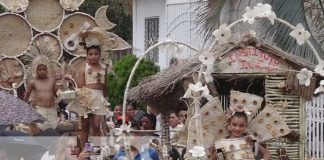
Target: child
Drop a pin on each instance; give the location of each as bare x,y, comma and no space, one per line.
44,89
237,125
93,77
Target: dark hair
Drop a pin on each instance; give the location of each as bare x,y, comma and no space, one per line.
135,126
131,104
239,115
175,113
93,47
151,117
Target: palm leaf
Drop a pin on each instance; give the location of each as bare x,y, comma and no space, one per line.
209,17
315,11
292,11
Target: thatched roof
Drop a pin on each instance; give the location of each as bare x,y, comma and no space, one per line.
163,82
155,87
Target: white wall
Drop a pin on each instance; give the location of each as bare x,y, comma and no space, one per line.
177,22
141,10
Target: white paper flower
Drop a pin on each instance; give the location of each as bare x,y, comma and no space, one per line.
259,11
121,131
264,11
91,41
197,90
223,34
300,34
249,15
304,77
207,59
320,88
197,151
320,68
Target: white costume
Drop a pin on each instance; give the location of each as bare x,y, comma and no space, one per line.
236,148
90,100
50,115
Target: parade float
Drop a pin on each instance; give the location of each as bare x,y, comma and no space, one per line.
271,84
30,30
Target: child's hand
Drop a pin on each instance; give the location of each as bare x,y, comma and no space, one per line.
83,155
110,125
212,153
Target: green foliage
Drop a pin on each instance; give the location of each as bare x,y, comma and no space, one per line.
119,13
2,9
122,69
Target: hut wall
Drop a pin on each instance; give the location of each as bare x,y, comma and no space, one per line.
288,105
315,127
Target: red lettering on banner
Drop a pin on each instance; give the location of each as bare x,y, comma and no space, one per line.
250,58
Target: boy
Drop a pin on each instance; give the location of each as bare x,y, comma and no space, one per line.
44,89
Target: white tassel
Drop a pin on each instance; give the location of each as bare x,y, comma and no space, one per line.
14,86
256,148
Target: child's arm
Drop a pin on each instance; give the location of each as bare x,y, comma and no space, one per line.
56,87
266,155
30,88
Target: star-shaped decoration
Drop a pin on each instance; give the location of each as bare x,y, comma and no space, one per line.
283,104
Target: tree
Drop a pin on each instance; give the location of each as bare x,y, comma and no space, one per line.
310,13
2,9
119,12
122,69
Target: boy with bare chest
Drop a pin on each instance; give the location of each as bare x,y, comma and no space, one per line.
44,89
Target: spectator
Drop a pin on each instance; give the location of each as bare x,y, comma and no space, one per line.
133,114
173,122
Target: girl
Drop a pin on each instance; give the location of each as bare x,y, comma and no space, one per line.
236,126
69,148
93,77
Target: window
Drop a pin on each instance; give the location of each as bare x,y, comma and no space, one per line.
152,37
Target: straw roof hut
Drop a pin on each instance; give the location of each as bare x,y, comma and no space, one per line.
247,65
165,89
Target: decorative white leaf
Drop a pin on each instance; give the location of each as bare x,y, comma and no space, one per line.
320,68
320,89
300,34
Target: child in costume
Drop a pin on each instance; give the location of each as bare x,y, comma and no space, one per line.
238,145
43,86
91,104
